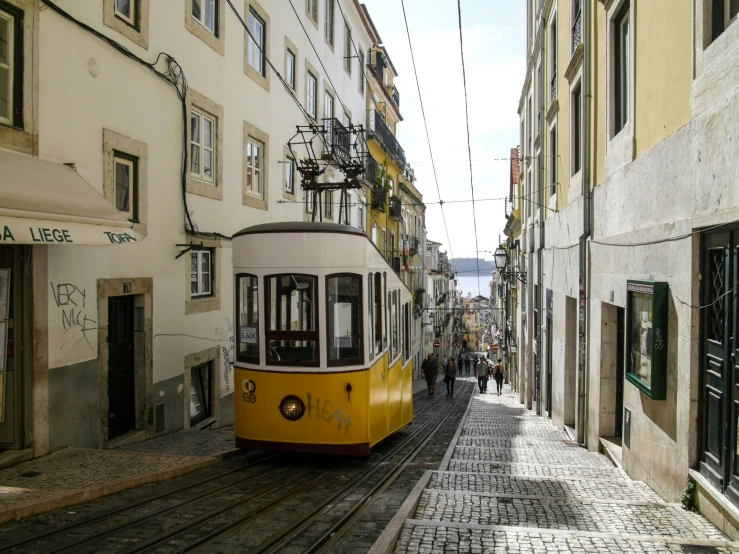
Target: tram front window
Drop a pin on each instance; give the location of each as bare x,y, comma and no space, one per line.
344,315
292,327
247,304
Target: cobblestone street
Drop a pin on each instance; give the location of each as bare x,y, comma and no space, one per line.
512,482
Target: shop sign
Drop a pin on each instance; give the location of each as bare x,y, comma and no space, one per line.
30,231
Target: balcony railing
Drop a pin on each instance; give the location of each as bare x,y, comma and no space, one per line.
396,264
372,170
395,208
379,198
338,138
381,132
577,30
396,97
553,89
413,244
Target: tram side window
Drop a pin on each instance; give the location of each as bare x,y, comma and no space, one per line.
247,306
407,331
344,319
393,300
292,319
384,311
379,316
370,318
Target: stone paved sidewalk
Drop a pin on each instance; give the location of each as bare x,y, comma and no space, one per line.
512,482
76,475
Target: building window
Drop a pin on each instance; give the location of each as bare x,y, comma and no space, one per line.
126,10
9,93
330,204
374,234
576,129
201,273
344,319
311,8
254,167
292,319
723,13
328,107
360,214
361,71
310,94
125,185
202,141
309,201
205,12
379,311
553,160
394,312
247,306
290,69
347,49
201,383
329,28
553,84
407,331
256,42
621,69
290,175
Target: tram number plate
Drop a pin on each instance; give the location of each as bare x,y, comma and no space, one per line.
248,335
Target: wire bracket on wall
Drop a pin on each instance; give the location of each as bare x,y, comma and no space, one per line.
187,248
329,145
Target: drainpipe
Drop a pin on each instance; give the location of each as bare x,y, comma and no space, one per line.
587,229
540,195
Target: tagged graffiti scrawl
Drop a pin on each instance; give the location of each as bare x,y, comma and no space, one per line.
325,411
71,300
227,334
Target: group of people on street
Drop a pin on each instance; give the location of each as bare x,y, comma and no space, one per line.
481,367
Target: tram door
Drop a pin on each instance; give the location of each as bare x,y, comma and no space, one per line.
121,391
719,369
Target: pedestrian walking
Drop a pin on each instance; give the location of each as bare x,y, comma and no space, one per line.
443,362
450,375
487,376
499,375
430,372
467,365
481,375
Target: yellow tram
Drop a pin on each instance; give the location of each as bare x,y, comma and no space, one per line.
323,340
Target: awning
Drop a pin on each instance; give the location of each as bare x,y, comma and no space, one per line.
44,202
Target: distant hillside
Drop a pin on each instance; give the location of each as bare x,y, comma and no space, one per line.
468,266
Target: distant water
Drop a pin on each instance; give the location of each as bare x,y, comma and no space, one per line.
468,283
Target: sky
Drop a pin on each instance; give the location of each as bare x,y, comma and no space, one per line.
494,37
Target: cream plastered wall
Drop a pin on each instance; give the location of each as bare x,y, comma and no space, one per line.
664,69
88,86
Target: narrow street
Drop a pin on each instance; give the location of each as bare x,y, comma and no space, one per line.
512,482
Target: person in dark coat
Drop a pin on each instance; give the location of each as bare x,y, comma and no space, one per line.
430,372
467,365
499,375
450,375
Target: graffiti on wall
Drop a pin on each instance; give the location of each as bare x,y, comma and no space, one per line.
325,411
71,301
227,335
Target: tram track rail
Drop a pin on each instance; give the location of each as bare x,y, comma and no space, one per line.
278,540
95,518
56,540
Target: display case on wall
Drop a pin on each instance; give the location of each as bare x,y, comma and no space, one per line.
646,336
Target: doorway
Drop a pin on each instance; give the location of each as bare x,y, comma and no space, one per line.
620,354
719,365
549,366
121,370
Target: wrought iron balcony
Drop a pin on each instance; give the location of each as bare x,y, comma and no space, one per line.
553,89
396,97
396,264
379,198
372,170
409,173
413,244
338,138
395,208
378,65
577,30
379,130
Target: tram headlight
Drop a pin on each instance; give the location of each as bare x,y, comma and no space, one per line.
292,408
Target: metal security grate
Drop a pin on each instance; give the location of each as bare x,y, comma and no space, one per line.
577,30
716,289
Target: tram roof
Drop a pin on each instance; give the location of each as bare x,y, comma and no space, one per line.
299,227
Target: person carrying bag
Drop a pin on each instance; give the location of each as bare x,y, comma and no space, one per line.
499,375
430,373
450,376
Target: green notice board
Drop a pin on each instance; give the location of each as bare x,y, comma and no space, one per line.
646,336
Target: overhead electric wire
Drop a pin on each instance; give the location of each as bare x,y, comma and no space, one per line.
467,122
428,138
